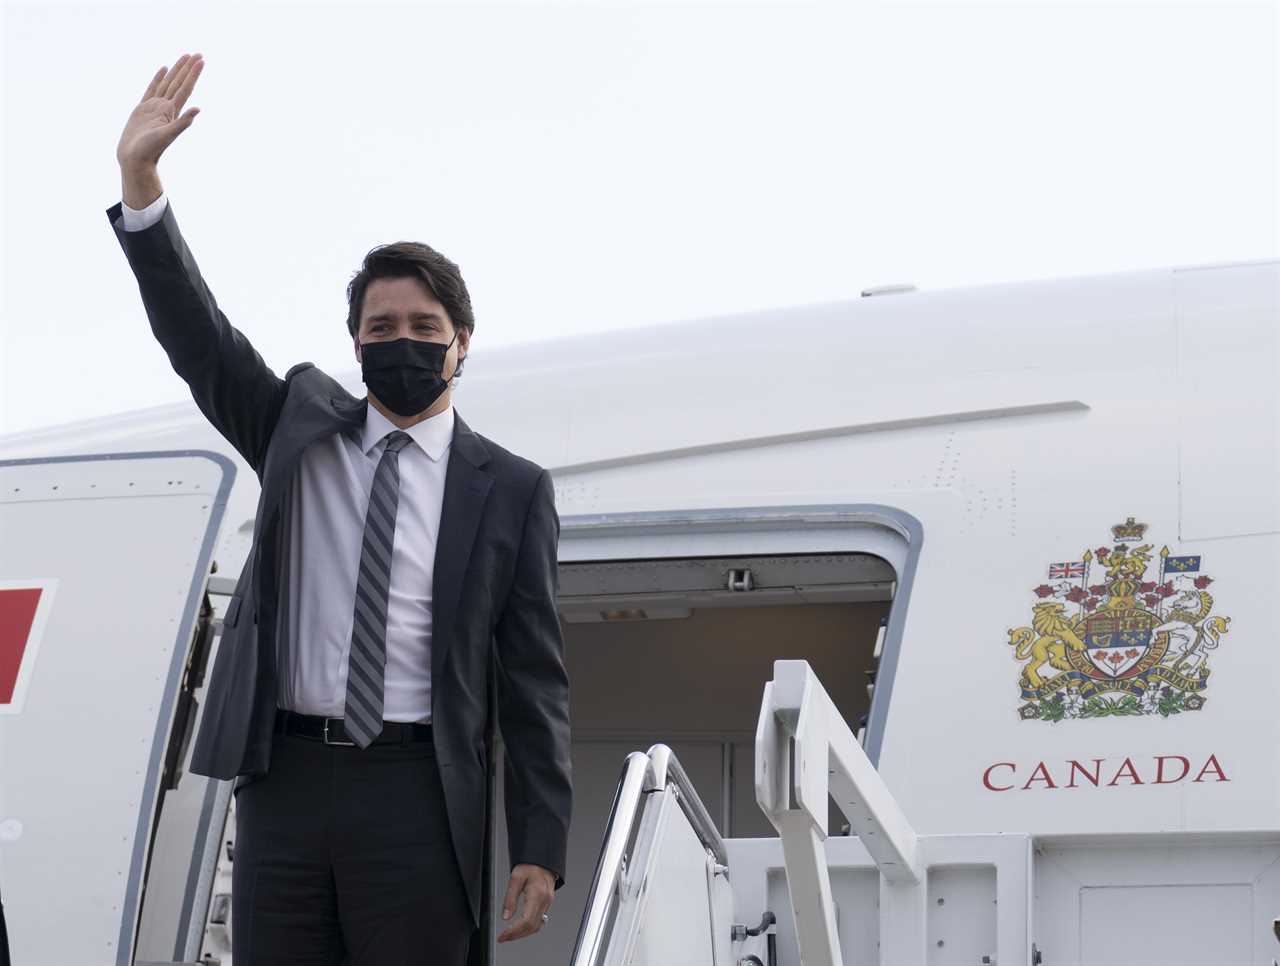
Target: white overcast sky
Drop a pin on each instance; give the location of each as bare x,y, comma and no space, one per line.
597,166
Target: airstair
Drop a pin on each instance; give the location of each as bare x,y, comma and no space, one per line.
668,890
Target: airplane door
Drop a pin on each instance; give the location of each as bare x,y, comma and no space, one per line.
103,565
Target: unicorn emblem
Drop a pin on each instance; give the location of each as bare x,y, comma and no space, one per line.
1192,632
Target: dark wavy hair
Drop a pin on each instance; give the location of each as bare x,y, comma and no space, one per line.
405,259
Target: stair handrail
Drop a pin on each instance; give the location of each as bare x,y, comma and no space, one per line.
601,895
642,773
667,767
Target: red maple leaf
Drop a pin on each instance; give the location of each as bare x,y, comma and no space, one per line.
1166,590
1075,595
1152,600
1147,586
1203,581
1098,589
1132,652
1091,603
1044,590
1102,553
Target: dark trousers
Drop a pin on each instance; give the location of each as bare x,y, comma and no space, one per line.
343,856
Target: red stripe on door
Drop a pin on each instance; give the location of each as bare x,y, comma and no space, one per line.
17,614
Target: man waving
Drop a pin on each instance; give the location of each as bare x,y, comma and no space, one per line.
401,582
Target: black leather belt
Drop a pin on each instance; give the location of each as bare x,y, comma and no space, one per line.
332,732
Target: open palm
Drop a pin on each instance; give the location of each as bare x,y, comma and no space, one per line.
157,119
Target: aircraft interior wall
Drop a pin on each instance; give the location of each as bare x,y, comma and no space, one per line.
698,680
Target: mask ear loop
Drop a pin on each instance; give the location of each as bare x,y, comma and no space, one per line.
446,352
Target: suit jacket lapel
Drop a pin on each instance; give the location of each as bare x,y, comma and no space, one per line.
316,416
466,487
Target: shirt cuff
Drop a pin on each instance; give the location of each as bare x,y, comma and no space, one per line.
136,219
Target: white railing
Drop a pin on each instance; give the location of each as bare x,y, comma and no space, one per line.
653,789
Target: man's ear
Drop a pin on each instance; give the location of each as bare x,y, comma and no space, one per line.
464,342
357,350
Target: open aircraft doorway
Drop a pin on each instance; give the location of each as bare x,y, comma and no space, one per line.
676,648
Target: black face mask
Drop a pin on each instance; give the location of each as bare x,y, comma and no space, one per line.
407,375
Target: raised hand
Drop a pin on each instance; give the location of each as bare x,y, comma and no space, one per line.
157,120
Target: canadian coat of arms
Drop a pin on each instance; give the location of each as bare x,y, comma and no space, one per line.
1132,646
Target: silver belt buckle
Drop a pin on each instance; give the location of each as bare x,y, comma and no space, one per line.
335,741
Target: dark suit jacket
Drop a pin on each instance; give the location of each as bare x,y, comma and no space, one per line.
493,594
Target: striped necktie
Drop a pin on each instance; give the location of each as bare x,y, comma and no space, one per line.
368,660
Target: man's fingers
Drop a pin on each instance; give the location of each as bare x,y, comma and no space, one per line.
175,90
536,902
528,922
155,83
188,83
540,906
514,886
170,76
175,76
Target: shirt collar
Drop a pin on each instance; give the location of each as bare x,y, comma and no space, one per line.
433,434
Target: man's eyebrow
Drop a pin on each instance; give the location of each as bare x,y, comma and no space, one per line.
387,316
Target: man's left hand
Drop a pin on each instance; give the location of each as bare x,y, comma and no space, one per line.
538,887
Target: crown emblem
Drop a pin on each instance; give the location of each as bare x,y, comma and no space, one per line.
1129,530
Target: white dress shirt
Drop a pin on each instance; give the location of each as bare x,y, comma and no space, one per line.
322,514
